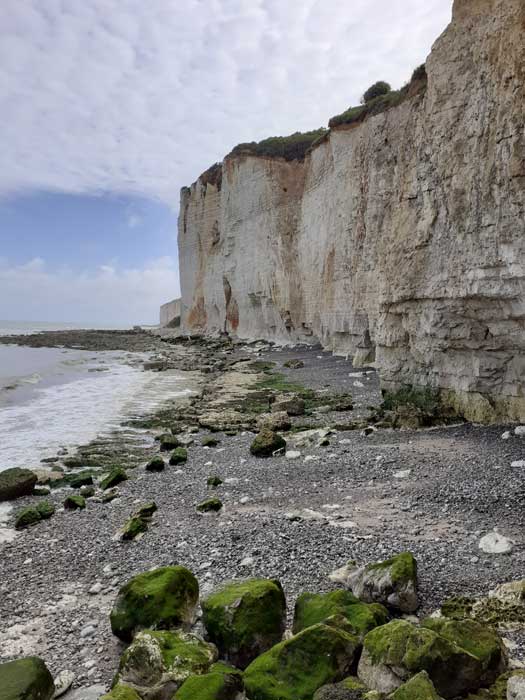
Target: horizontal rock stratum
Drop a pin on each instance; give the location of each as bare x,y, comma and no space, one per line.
399,239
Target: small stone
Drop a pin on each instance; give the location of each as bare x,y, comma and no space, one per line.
520,464
520,431
210,505
179,456
95,588
214,481
157,464
74,503
63,682
403,474
247,561
292,454
494,543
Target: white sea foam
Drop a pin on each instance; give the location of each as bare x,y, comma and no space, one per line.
74,413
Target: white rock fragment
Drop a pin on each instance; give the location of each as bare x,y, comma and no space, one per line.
358,384
244,500
63,682
247,561
520,464
520,431
494,543
516,688
293,454
403,474
506,435
344,524
95,588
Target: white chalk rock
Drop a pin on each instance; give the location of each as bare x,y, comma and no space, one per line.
63,682
494,543
516,688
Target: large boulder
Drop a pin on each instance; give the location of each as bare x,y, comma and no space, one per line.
15,483
26,679
266,443
296,668
245,619
358,617
419,687
157,663
159,599
392,582
274,421
221,683
395,652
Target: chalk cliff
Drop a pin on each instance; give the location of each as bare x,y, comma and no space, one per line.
399,240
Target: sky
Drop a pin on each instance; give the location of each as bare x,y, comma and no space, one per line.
110,107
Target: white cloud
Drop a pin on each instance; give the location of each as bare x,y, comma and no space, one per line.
140,97
106,295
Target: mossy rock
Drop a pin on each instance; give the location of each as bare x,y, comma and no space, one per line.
245,618
169,442
41,491
115,477
296,668
210,505
349,689
133,528
294,364
73,462
394,652
26,679
214,481
420,687
210,441
221,683
87,491
121,692
27,517
74,503
146,511
157,662
45,509
266,443
392,583
479,640
179,456
84,479
160,599
15,483
500,689
110,495
360,618
157,464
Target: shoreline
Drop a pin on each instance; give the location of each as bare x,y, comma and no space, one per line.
345,499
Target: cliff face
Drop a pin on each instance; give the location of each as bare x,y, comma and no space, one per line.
401,239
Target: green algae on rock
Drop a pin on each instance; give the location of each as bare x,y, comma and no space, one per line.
210,505
146,511
312,608
82,479
45,509
266,443
27,517
220,683
74,503
26,679
158,662
214,481
245,618
159,599
157,464
121,692
419,687
394,652
209,441
15,483
116,476
296,668
133,528
179,456
169,442
349,689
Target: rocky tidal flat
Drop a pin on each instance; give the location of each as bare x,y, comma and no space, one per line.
286,468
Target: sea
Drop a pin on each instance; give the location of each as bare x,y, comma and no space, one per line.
52,398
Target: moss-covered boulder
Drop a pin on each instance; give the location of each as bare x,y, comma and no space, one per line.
349,689
87,491
266,443
121,692
45,509
133,528
27,517
420,687
15,483
157,662
392,582
146,511
296,668
74,503
209,441
115,477
221,683
359,618
245,618
169,442
395,652
210,505
157,464
82,479
179,456
159,599
26,679
214,481
479,640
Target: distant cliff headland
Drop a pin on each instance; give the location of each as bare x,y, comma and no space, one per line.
397,235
